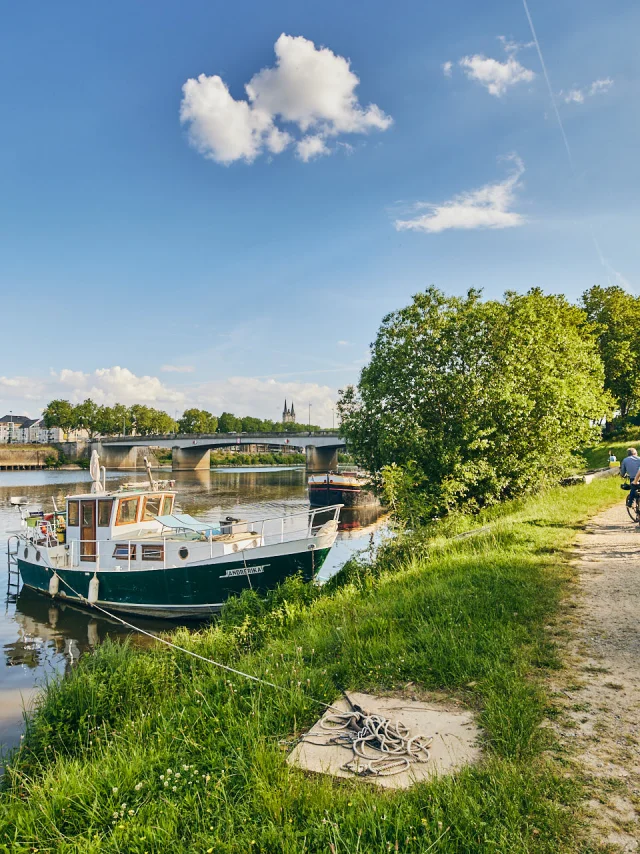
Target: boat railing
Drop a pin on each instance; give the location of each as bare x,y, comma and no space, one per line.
295,526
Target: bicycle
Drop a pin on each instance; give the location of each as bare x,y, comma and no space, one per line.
634,509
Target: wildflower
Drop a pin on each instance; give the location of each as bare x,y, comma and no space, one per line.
162,776
207,778
130,812
123,807
138,786
185,767
166,783
174,788
177,775
115,790
115,815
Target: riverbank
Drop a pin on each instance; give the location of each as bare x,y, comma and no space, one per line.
466,620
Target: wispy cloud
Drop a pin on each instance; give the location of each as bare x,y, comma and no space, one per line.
578,96
496,76
177,369
490,206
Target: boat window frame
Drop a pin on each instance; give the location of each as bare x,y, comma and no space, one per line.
128,548
171,498
121,502
146,498
158,548
101,503
73,506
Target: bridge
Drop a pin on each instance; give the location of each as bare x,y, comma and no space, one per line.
192,452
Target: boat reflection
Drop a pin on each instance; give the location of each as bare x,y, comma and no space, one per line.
356,521
47,630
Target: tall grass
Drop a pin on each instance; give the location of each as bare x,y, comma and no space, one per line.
153,751
598,455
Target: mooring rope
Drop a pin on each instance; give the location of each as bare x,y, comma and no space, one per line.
359,729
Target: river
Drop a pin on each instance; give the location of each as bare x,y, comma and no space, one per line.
40,638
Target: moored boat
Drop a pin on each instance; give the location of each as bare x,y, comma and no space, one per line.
129,551
350,488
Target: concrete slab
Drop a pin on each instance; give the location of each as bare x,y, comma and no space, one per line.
455,741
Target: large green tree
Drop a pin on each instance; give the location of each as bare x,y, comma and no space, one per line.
474,400
229,423
615,315
59,413
197,421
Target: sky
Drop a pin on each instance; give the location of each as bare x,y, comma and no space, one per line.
214,205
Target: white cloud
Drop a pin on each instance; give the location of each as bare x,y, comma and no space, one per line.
344,343
310,147
310,88
487,207
494,75
114,385
261,397
178,369
447,68
578,96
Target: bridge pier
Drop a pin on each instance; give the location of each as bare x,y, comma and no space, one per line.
128,457
190,459
321,460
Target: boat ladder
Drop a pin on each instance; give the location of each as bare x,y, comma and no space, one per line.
13,573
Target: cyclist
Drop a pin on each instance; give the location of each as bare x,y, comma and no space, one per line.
630,467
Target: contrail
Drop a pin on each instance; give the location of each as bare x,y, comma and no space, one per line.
603,261
549,86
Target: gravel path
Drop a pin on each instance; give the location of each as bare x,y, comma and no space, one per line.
599,693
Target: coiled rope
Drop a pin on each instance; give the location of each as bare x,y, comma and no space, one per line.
380,747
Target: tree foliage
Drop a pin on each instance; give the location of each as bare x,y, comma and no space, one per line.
475,401
197,421
615,315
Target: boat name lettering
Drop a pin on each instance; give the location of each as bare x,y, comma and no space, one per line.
249,570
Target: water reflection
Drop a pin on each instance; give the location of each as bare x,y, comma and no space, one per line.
39,637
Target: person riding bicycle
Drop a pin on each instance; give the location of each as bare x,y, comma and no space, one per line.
630,467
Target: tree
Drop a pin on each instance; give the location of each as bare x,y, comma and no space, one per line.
88,416
59,413
616,318
252,425
229,423
197,421
475,401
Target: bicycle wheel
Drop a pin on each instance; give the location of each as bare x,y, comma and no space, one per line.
634,511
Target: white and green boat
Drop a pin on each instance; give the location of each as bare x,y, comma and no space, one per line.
128,551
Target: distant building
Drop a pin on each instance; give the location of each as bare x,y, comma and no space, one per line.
20,430
288,415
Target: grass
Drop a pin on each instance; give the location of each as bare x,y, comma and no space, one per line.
598,455
152,751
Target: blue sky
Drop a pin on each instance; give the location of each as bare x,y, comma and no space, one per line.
132,240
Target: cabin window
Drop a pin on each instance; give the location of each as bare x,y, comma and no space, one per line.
167,505
104,513
183,551
127,511
151,507
73,514
125,550
150,552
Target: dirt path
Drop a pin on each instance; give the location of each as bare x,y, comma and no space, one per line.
599,693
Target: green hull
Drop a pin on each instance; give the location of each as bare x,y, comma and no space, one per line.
187,591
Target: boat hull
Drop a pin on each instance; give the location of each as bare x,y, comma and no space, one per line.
195,590
325,495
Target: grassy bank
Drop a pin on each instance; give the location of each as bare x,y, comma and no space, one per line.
598,455
153,751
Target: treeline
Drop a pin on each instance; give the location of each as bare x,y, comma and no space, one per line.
467,402
145,421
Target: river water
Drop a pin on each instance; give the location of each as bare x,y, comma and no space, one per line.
40,638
